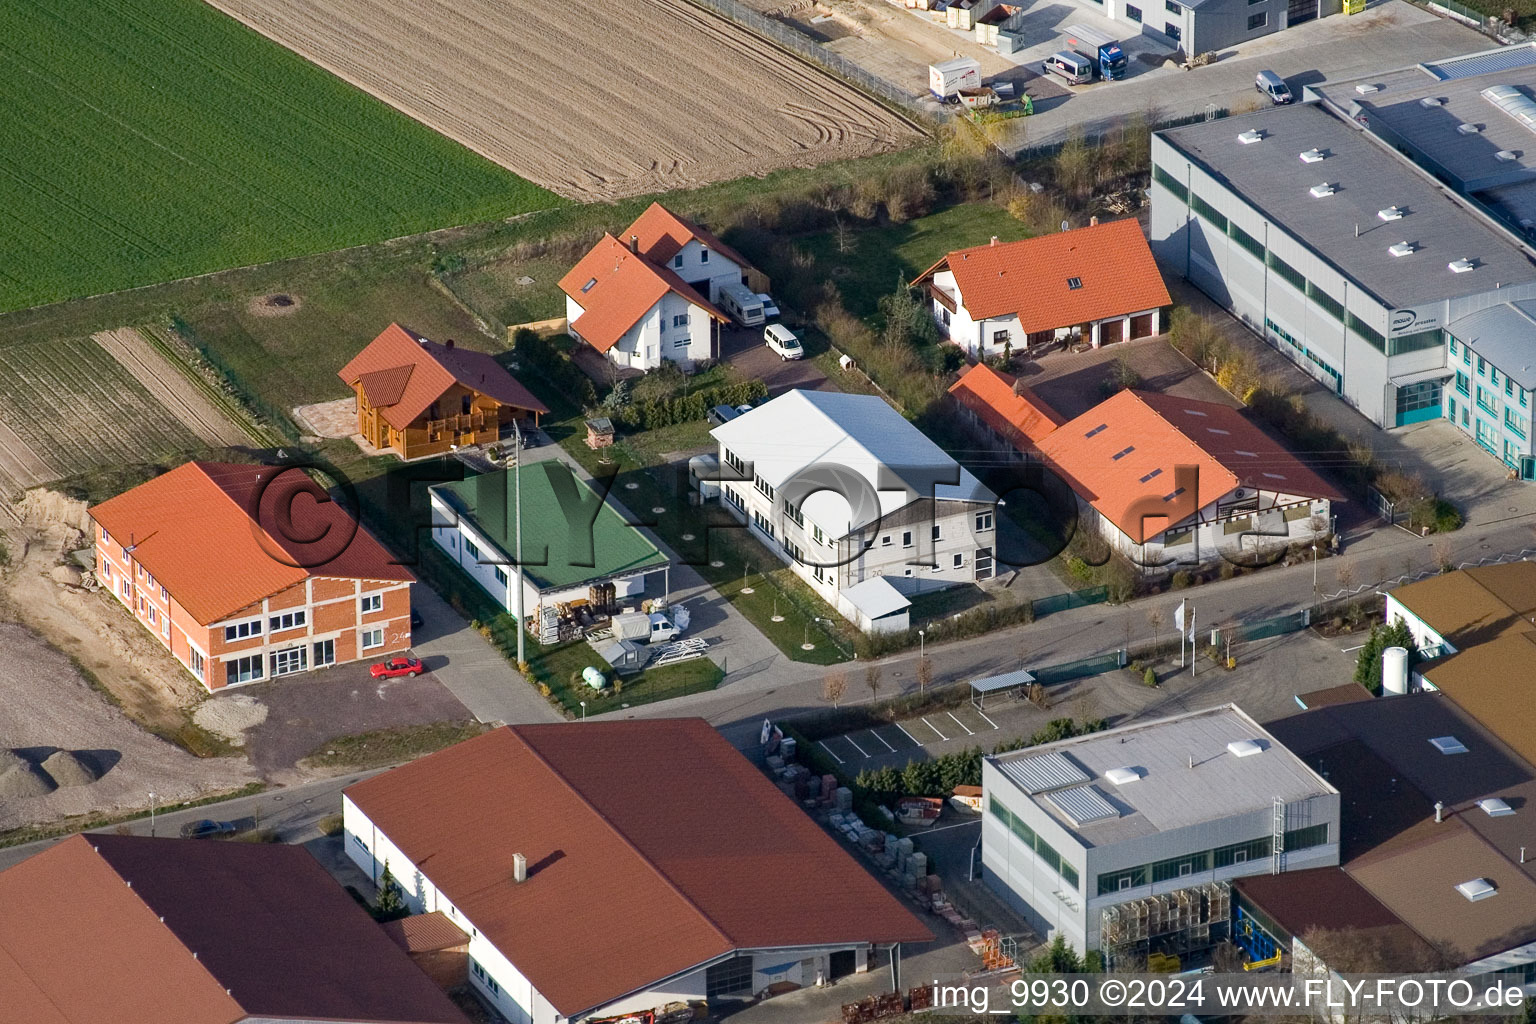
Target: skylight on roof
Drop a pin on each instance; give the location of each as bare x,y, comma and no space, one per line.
1149,476
1477,889
589,286
1122,453
1390,213
1319,191
1173,494
1401,249
1274,476
1312,156
1097,430
1448,745
1251,136
1123,776
1244,748
1218,430
1460,266
1239,451
1193,412
1074,283
1495,808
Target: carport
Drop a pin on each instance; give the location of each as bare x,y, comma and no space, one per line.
997,685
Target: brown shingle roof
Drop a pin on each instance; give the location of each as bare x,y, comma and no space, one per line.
425,933
1471,606
221,536
1030,278
428,370
631,875
1495,683
105,928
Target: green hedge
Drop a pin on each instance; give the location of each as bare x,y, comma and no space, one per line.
650,415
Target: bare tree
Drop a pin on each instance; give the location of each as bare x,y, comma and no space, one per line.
1441,551
1345,574
834,687
1156,616
872,680
843,236
924,673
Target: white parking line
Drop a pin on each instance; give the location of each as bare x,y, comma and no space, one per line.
961,724
882,739
908,735
984,718
934,728
830,751
854,745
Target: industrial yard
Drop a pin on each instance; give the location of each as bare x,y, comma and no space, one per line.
573,103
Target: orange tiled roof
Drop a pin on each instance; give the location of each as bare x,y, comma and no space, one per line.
616,287
1121,456
408,373
661,233
220,537
1005,405
1030,278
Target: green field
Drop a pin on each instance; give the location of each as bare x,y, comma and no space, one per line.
148,140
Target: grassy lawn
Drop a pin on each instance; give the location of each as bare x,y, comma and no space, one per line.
881,255
389,746
155,139
496,290
559,668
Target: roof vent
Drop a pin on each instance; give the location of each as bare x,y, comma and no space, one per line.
1477,889
1461,266
1390,213
1507,155
1244,748
1495,808
1431,101
1401,249
1324,189
1469,129
1448,745
1366,88
1251,136
1123,776
1312,156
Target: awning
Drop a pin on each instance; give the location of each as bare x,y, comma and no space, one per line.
877,597
1438,373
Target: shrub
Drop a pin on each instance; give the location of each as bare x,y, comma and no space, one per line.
1079,569
1149,677
1181,580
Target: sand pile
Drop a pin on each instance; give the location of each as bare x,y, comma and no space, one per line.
66,769
230,716
19,779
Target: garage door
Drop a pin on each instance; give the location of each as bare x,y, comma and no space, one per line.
1141,326
1299,11
1111,332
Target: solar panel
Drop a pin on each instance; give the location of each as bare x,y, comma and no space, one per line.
1083,804
1043,771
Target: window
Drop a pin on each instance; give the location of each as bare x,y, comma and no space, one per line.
1241,853
372,638
239,631
703,255
1074,283
149,577
677,261
1509,388
999,337
105,535
680,320
1463,384
1173,538
294,659
589,286
736,500
484,977
1453,346
375,602
1253,245
128,589
682,342
763,486
1493,378
287,620
154,616
1366,332
165,595
325,653
938,533
1119,881
470,548
1257,20
1327,303
817,535
1133,12
1181,867
1170,183
793,514
983,522
1487,400
106,570
959,561
763,523
1466,356
1513,425
1416,342
501,576
196,662
1172,31
983,563
734,461
1304,838
242,670
1286,272
731,977
1418,397
1172,8
906,538
885,541
1482,367
1522,398
1208,211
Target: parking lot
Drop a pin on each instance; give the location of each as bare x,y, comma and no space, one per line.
935,733
743,348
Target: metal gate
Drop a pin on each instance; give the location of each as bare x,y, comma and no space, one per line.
1379,504
1298,11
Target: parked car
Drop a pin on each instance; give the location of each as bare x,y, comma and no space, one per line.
1273,86
396,667
770,308
207,829
720,415
1072,67
782,340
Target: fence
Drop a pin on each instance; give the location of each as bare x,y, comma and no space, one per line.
1381,505
1524,554
278,418
1050,149
1071,599
803,46
1094,666
1480,20
1276,625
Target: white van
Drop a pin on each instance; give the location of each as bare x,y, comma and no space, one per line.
782,340
1073,67
1273,86
741,304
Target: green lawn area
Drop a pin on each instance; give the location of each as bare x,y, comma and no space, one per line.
559,668
148,140
881,255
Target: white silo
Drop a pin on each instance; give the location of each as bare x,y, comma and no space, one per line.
1394,670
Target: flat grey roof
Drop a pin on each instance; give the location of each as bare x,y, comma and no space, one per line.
1271,176
1505,335
1169,794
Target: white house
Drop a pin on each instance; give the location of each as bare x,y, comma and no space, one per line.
845,490
653,296
1099,283
588,865
1168,481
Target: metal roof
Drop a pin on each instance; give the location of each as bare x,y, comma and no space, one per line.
1008,679
876,597
1504,335
1344,227
1483,63
1083,804
1040,772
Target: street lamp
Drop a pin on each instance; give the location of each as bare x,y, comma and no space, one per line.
1314,570
151,813
583,711
922,644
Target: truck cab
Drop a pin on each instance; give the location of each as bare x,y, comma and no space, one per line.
1099,49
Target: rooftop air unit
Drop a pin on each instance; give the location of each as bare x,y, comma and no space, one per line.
1319,191
1401,249
1312,156
1461,266
1244,748
1507,155
1476,889
1366,88
1251,136
1469,129
1390,213
1514,103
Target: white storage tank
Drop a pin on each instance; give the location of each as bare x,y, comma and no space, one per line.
1394,670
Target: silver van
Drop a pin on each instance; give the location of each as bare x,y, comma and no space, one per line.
1073,67
1273,86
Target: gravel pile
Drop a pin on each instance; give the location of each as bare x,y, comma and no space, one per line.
19,779
230,716
66,768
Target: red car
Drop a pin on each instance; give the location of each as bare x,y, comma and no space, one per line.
396,667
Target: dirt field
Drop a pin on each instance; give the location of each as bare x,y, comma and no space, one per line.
593,102
167,384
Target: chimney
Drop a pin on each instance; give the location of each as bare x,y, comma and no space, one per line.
1018,388
519,868
994,239
1439,811
1522,855
1093,221
634,244
448,343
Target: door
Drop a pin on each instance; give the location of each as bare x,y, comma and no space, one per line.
1141,326
1527,467
1111,331
842,963
1298,11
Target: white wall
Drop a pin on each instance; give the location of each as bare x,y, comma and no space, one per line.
695,267
1423,635
1208,540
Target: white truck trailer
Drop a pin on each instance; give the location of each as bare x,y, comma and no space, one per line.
947,79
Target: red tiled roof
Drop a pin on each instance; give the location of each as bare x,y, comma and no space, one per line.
425,933
623,288
153,931
631,877
1030,278
1153,434
221,537
409,373
1008,407
661,233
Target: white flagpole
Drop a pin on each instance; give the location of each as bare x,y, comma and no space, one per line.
1194,659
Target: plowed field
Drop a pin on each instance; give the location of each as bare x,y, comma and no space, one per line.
593,101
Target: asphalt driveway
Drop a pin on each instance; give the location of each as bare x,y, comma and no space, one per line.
744,349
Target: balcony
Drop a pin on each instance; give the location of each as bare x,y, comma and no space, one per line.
468,423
